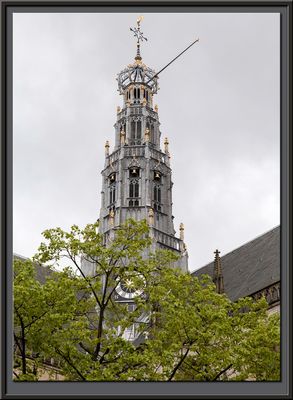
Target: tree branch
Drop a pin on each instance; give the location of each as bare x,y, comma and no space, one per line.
17,342
103,356
22,339
58,351
36,319
222,372
86,349
178,365
14,373
85,278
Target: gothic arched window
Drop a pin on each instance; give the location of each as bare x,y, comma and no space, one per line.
133,187
135,132
157,176
112,188
138,130
112,194
134,172
132,131
157,197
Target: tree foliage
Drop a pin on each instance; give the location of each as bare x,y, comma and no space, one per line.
187,330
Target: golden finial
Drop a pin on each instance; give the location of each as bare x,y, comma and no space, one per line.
107,146
122,137
118,109
156,108
139,19
111,218
181,229
166,145
144,102
147,135
151,98
151,216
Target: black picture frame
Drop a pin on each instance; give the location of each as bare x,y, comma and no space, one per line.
47,390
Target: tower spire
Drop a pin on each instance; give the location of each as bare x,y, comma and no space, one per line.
140,38
137,177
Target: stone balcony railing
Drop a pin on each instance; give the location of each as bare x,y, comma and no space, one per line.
137,111
138,151
167,240
113,157
159,156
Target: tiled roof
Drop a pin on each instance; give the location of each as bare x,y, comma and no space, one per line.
251,267
42,272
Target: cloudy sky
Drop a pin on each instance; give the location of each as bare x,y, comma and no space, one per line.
218,105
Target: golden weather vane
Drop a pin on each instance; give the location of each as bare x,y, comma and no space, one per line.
139,36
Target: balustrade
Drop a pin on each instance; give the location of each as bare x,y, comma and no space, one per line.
167,240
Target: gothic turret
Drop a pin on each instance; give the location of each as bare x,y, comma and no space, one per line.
218,274
137,181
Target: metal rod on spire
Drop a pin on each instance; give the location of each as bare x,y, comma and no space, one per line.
197,40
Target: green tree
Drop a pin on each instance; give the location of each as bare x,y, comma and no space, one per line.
40,308
189,331
200,335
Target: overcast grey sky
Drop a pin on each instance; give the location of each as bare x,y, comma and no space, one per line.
218,105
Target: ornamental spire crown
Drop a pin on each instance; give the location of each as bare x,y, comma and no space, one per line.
138,74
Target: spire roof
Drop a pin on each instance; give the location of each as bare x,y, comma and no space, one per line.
138,72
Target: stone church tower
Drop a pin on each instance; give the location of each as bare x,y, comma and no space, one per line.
137,178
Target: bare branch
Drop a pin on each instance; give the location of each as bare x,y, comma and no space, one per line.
222,372
178,365
69,362
84,277
14,373
86,349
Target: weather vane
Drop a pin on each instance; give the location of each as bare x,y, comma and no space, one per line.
139,35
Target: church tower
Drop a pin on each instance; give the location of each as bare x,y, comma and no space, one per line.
137,178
